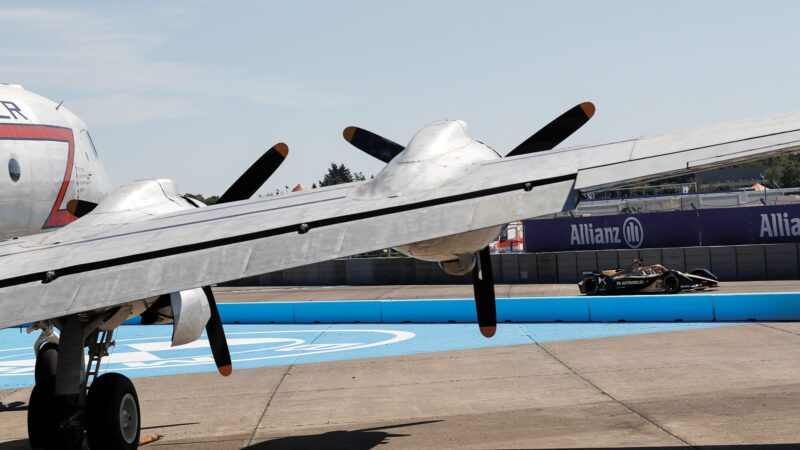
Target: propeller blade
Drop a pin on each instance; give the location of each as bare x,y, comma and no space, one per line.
216,336
483,284
372,144
256,175
242,189
556,131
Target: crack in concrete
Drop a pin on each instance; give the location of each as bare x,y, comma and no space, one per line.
778,329
388,293
429,383
7,394
277,386
614,399
269,402
212,440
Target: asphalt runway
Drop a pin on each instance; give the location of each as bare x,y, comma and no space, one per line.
644,386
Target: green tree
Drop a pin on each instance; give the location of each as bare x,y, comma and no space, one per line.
782,171
791,172
338,174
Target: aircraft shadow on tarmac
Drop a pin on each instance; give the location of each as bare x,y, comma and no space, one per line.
698,447
20,444
363,439
13,406
368,439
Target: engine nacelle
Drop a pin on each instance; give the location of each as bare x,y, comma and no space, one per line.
188,311
134,202
438,154
449,248
461,266
191,313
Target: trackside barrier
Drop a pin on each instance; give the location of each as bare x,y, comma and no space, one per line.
662,308
544,309
729,263
772,306
779,306
337,312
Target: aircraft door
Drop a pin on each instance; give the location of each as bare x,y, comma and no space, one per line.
83,164
90,176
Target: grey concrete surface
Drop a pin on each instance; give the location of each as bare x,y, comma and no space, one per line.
315,293
720,388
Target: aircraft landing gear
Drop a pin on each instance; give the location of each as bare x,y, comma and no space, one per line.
61,415
43,416
113,413
46,363
43,412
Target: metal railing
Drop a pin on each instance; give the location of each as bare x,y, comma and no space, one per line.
683,202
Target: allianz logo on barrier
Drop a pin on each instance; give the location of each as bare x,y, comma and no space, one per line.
779,225
586,234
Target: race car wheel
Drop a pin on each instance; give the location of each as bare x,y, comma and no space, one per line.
591,286
672,285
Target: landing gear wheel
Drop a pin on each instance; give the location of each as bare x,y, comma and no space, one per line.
46,362
43,410
672,285
113,419
43,416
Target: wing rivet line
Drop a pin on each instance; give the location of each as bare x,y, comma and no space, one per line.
528,186
271,232
49,276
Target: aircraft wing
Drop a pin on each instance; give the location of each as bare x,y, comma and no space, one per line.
85,267
668,154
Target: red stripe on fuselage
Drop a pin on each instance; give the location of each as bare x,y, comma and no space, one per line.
58,217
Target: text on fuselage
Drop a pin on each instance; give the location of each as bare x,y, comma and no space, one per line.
14,112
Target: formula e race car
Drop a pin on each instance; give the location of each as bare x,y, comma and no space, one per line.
645,280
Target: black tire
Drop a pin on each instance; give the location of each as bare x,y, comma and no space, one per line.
591,286
672,284
107,426
46,363
43,417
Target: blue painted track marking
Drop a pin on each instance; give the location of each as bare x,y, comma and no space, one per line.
695,307
143,351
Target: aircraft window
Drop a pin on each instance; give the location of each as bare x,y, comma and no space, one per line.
91,143
13,169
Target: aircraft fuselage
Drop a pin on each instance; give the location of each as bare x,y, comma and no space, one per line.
49,159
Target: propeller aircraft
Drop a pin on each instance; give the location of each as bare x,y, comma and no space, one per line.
78,259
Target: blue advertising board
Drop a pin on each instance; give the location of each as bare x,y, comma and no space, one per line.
721,226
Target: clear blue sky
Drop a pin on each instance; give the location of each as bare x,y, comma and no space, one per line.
195,91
